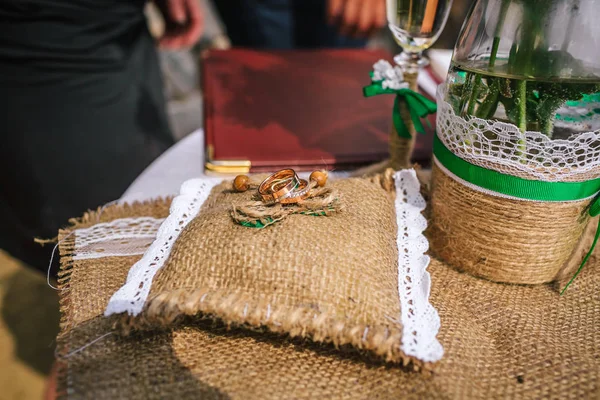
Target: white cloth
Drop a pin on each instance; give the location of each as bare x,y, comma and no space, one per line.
183,161
440,60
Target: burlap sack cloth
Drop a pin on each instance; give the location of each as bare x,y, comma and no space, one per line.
500,341
504,240
327,278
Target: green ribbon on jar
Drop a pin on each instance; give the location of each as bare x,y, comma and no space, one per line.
519,188
418,106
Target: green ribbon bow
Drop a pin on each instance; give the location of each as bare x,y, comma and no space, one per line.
523,188
418,105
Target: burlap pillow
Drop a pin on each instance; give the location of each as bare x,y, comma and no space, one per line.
328,278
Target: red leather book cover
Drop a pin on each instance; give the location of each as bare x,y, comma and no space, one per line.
266,110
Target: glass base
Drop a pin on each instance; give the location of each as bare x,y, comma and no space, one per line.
411,63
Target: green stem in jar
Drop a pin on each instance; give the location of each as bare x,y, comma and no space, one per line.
490,103
474,94
548,127
488,107
499,26
495,45
521,103
462,91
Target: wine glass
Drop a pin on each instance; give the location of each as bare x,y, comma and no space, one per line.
416,25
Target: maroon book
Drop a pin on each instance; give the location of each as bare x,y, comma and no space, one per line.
266,110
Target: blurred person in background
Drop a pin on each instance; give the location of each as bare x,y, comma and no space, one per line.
286,24
82,108
82,105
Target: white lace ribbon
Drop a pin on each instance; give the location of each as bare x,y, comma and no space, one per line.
117,238
131,297
501,146
420,320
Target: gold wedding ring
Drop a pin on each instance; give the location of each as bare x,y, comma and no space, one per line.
279,185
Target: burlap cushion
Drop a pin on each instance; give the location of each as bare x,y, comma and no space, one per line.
500,341
328,278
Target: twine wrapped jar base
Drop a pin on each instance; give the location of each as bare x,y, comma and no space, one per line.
501,239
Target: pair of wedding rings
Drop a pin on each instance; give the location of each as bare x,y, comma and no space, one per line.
284,187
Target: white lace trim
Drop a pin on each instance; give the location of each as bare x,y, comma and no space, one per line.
118,238
487,142
132,296
420,320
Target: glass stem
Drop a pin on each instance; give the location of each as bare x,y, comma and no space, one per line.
411,63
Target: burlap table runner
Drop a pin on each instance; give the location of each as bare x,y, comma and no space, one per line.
500,341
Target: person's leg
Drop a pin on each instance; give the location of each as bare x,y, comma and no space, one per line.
263,24
311,29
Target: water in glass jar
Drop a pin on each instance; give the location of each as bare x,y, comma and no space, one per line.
556,107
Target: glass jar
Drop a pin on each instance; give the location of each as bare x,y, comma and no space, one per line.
531,63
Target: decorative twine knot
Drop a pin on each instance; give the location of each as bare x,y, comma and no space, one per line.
390,80
321,201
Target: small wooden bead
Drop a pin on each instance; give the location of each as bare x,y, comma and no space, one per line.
320,177
241,183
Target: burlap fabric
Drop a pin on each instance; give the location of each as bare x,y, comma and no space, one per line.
500,341
502,239
328,278
72,316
